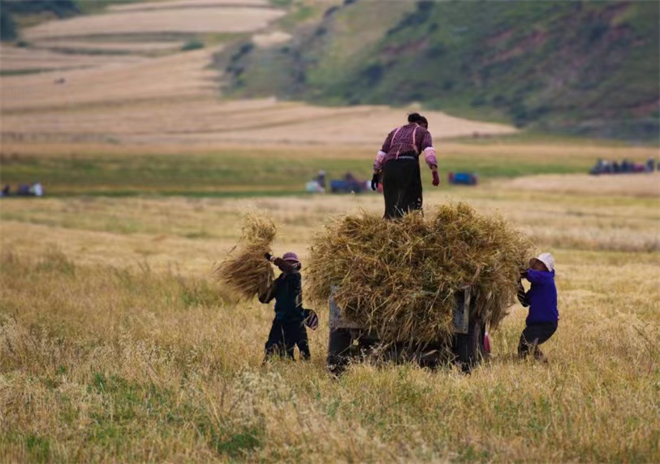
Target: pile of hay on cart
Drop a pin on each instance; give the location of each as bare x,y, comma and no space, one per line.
399,277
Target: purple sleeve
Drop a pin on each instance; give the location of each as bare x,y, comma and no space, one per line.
429,151
538,276
388,143
427,141
378,162
382,154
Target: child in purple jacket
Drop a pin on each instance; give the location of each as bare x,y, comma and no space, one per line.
541,299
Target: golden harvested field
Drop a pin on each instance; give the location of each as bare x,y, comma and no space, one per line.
161,120
553,220
116,343
182,20
22,59
182,106
186,4
182,76
646,185
176,100
130,98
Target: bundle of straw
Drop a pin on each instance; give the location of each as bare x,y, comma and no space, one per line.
399,277
245,269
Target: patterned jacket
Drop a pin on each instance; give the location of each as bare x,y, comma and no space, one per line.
409,140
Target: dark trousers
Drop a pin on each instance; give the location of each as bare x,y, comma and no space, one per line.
283,338
402,186
534,335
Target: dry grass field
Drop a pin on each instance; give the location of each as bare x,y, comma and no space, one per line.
160,120
16,59
117,344
632,185
182,20
112,83
176,4
175,100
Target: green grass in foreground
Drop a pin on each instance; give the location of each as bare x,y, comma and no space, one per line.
236,173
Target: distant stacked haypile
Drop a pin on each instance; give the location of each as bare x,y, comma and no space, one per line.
245,269
399,277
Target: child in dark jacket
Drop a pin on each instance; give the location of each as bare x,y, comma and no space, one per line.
543,316
288,329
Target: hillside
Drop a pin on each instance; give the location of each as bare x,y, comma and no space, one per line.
17,14
14,13
574,67
127,73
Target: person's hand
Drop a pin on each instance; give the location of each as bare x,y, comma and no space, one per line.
375,181
269,257
436,178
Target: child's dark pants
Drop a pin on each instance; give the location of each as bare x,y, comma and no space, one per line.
283,338
533,335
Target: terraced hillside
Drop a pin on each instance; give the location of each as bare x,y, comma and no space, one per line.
141,73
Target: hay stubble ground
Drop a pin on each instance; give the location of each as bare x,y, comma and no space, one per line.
118,344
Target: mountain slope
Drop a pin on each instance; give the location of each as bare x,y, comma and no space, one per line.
17,13
578,67
12,12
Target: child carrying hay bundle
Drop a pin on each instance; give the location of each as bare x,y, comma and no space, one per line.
399,278
244,270
248,272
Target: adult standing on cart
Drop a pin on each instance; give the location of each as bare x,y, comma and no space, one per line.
397,163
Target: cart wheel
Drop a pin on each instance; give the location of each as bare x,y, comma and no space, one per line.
470,348
339,348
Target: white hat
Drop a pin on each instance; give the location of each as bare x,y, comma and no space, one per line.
548,260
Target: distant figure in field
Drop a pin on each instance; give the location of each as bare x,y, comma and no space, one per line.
398,164
320,179
23,190
353,184
37,190
5,191
541,299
